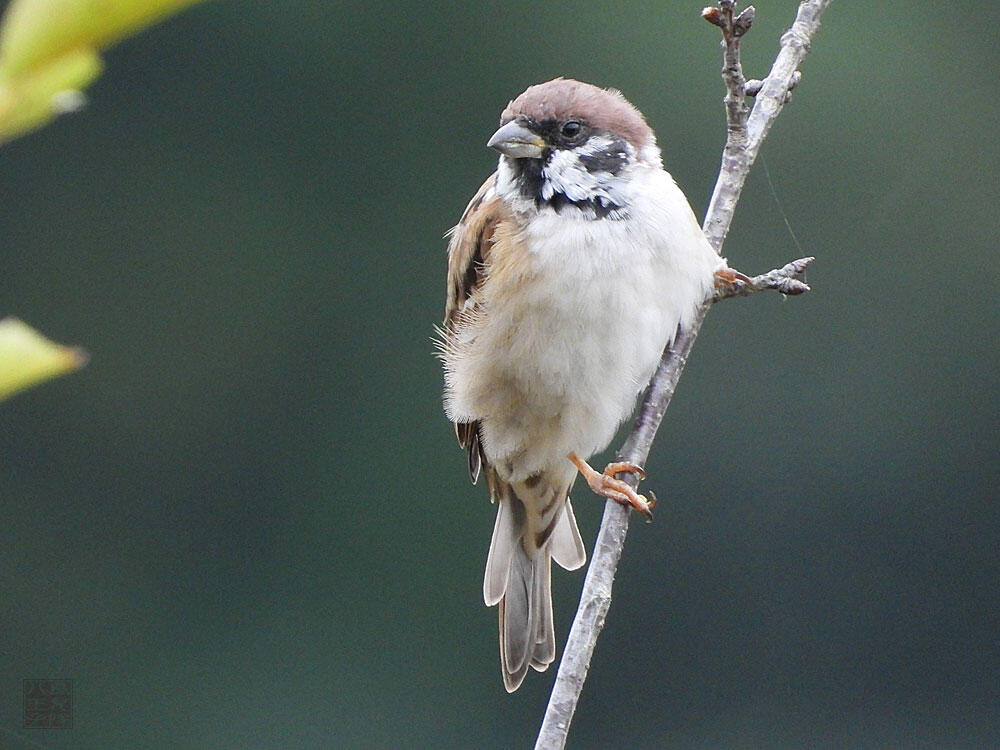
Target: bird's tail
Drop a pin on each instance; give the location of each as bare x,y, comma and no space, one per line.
535,525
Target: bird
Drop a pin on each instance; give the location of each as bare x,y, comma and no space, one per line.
569,272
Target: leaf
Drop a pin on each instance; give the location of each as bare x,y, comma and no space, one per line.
27,357
49,52
32,99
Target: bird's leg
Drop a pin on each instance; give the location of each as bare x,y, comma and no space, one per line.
606,485
729,282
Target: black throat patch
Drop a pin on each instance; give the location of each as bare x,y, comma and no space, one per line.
529,174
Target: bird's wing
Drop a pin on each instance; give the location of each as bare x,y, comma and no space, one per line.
468,260
469,249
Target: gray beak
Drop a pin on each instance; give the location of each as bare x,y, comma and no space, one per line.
515,140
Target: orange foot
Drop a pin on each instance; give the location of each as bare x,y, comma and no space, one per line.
606,485
729,281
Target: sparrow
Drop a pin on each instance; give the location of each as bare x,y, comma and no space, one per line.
568,274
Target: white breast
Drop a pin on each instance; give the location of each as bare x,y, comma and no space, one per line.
557,366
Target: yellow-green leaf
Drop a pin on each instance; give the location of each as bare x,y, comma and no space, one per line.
27,357
30,100
49,52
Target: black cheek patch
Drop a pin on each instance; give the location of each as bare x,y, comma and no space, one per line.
611,160
530,180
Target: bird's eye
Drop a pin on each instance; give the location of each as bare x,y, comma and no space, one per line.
571,128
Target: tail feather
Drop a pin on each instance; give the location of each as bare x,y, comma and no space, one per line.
518,626
502,547
544,652
534,525
567,545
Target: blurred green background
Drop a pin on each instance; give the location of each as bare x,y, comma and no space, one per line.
246,522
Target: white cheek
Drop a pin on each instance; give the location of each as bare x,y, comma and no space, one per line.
566,174
506,186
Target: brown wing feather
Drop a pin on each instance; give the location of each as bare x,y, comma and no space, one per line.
468,259
469,248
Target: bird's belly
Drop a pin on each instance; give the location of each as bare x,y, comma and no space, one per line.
565,360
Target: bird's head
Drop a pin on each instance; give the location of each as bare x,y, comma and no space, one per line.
571,147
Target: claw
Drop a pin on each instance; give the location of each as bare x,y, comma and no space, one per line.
607,485
622,467
651,501
729,281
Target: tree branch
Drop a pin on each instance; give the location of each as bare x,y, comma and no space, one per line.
745,133
731,283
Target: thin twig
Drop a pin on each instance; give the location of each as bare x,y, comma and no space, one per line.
745,133
730,283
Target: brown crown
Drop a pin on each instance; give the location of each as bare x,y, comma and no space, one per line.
564,99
